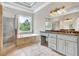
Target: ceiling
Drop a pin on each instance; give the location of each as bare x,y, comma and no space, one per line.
26,4
31,7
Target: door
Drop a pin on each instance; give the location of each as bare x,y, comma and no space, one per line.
43,40
71,48
61,46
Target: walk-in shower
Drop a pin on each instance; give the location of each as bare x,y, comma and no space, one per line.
8,31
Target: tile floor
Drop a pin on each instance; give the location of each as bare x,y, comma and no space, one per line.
34,50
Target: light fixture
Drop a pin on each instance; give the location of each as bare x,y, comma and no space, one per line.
58,11
62,9
68,18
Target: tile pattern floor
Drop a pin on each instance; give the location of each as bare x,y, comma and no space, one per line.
35,50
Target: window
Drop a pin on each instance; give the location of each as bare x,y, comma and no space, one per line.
25,24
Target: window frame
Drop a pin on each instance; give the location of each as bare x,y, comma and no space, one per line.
30,32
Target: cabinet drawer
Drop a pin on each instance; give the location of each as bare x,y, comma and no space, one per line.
52,35
61,37
52,46
52,38
67,37
44,34
52,41
72,38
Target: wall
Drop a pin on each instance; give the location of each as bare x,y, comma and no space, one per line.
77,24
39,18
73,21
13,13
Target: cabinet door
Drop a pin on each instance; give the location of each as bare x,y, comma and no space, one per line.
52,43
71,48
61,46
75,49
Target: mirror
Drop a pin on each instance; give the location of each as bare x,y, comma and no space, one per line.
67,24
69,21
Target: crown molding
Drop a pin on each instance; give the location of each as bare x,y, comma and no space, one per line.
39,8
17,7
25,9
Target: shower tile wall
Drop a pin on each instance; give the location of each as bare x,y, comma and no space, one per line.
8,31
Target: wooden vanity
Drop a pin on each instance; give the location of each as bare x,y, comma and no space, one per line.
64,43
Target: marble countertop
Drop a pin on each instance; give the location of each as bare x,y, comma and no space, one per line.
74,34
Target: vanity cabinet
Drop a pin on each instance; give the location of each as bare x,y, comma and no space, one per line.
65,44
